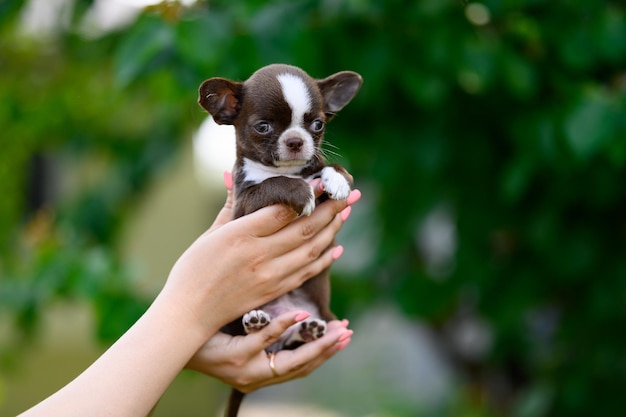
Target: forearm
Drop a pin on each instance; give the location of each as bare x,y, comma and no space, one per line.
130,377
230,269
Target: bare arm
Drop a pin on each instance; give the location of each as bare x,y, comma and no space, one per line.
242,263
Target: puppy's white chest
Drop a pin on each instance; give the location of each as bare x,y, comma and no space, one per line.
256,172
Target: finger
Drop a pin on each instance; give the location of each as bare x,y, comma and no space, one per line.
310,258
226,213
317,187
228,180
264,338
304,228
267,221
355,195
305,261
308,226
303,360
324,355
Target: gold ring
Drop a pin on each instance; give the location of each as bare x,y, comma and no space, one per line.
271,355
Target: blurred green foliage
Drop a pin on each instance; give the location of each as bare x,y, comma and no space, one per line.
510,114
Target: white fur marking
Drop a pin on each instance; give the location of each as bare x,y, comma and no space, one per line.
255,320
296,95
310,205
257,172
336,186
308,148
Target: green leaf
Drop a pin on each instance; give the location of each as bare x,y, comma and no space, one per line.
610,35
201,41
137,52
519,75
516,179
589,124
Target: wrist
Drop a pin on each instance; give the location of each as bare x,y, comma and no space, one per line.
196,328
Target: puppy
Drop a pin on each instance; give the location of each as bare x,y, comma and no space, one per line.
280,115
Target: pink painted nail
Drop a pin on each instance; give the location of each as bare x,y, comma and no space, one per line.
347,335
228,180
302,316
317,184
354,196
342,345
337,252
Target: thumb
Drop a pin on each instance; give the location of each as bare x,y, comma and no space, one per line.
267,220
226,213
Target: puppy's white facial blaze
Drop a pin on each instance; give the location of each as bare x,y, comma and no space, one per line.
298,98
296,95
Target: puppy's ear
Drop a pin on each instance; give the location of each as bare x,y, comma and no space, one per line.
221,98
338,89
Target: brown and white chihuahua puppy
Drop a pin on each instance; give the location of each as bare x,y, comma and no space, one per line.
279,115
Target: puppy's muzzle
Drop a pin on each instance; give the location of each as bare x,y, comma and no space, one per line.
294,144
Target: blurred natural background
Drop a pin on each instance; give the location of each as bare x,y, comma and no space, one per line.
485,268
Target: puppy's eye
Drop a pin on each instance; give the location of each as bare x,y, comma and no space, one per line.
263,128
317,125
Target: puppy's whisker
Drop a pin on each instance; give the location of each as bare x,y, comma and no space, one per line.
333,150
326,143
328,153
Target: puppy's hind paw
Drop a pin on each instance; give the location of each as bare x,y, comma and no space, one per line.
255,320
312,329
307,331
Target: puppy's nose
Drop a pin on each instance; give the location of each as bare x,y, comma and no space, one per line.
294,144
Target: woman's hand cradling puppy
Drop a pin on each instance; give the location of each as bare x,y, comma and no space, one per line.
241,361
233,267
238,265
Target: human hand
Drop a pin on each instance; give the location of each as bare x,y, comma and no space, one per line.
238,265
241,361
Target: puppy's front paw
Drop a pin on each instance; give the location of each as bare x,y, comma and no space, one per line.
335,184
255,320
310,205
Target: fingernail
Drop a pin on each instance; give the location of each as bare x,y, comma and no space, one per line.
228,180
337,252
354,196
342,345
346,335
345,213
302,316
316,184
345,322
